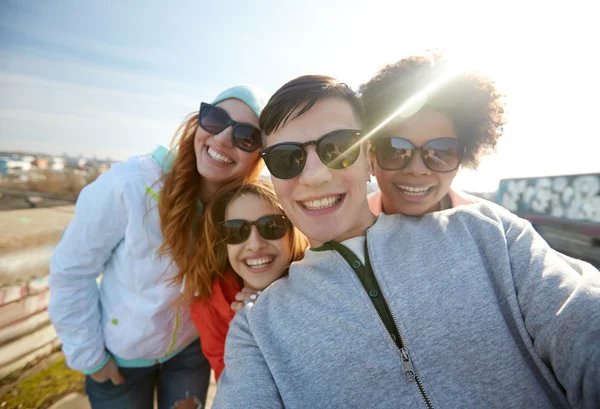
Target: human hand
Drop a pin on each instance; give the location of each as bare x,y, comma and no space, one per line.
244,296
108,371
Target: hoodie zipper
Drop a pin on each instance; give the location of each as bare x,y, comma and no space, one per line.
410,372
366,271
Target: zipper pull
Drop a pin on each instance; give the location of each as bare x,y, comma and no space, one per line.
410,373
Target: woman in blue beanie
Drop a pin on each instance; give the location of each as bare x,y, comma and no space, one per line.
138,224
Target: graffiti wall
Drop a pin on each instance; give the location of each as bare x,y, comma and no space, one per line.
575,197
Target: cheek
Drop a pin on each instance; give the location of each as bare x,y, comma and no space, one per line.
357,178
383,176
232,253
246,159
200,137
363,168
283,188
448,178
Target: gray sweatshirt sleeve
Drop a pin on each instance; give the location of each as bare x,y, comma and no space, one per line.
246,380
559,298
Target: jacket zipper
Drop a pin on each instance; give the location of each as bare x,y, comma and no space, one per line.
174,337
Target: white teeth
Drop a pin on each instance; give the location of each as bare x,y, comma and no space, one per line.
258,262
218,157
414,191
321,203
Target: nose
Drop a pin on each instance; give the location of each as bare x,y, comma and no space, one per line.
315,173
223,138
416,166
255,242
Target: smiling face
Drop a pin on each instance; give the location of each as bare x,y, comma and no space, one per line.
325,204
217,159
257,261
415,189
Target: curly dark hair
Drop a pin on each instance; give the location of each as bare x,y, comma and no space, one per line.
469,99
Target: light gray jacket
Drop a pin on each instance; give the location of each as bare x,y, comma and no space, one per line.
491,316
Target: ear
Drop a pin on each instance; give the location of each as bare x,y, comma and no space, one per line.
371,163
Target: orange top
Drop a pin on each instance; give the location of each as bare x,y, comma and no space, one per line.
456,197
212,318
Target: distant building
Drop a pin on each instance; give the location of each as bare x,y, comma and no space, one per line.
58,163
40,163
12,164
3,166
77,163
103,167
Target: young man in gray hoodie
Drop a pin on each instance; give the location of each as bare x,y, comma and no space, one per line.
462,308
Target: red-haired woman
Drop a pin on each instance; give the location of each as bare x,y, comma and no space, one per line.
139,225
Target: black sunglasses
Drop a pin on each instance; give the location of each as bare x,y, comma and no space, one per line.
337,150
270,227
214,119
439,155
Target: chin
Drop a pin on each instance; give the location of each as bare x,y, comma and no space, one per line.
411,210
323,238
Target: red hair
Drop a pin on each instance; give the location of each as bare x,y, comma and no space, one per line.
181,220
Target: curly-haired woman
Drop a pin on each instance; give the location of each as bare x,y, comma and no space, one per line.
416,155
139,225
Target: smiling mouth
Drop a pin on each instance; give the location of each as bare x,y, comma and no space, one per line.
218,157
258,263
414,191
323,203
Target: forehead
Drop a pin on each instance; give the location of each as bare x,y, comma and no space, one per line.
324,116
239,111
249,206
423,126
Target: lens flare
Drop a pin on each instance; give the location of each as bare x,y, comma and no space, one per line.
411,106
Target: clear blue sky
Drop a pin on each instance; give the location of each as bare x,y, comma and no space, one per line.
111,79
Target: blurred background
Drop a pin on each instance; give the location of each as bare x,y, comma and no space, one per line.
85,83
83,79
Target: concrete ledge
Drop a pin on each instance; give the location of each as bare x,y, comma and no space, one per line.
15,311
72,401
21,362
23,328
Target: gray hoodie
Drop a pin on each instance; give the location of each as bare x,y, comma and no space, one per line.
490,315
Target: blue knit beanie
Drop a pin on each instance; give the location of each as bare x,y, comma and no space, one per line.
252,96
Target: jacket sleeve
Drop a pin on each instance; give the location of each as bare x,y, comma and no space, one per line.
97,227
212,329
246,380
559,298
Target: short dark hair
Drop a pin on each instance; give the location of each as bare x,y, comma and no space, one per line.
299,95
469,99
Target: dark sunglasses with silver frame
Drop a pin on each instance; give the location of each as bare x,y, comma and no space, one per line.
214,119
439,155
